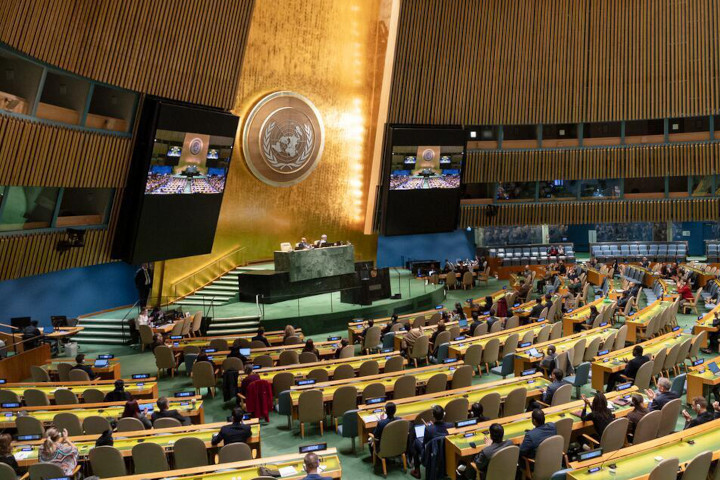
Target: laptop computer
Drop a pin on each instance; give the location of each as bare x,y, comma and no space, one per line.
462,323
420,431
245,352
100,363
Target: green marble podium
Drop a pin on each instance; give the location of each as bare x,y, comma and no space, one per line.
316,263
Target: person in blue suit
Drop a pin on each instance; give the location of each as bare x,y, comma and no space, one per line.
439,428
311,466
534,437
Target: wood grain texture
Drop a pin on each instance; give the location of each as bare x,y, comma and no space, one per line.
554,61
185,50
568,213
577,164
16,368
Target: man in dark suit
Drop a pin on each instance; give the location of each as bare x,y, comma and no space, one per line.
439,428
537,308
323,242
370,324
493,443
165,412
713,336
699,406
662,396
382,423
476,322
547,394
311,464
143,284
260,336
80,364
630,369
534,437
31,335
119,394
236,432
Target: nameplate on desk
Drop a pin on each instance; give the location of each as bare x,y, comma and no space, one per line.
700,317
372,401
594,469
450,360
307,381
257,367
333,339
25,438
176,337
516,305
527,372
184,394
210,350
466,423
541,319
569,310
386,350
461,337
675,329
3,381
699,361
590,454
439,307
603,352
525,344
108,356
316,447
140,376
623,386
604,324
247,416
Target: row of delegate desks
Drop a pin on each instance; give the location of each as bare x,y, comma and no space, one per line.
325,349
274,338
458,440
637,461
458,348
427,331
594,276
704,323
147,388
110,372
26,453
355,329
191,407
699,378
302,370
409,408
580,315
616,361
702,278
291,465
524,361
422,375
638,322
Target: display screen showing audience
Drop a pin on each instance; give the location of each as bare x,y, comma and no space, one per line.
176,182
425,167
188,163
422,187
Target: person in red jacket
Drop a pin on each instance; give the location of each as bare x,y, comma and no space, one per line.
502,308
685,292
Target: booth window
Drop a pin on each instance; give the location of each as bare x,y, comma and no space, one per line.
28,208
110,109
702,186
516,191
63,98
600,189
19,83
83,206
558,190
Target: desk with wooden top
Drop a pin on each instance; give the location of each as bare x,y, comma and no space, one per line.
147,388
422,375
699,377
192,407
524,361
111,372
409,408
427,331
704,324
458,348
58,334
615,361
274,338
523,310
325,349
668,287
637,461
457,441
594,276
702,278
26,452
248,469
302,370
579,315
638,322
355,329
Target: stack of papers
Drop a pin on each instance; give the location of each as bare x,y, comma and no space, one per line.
287,471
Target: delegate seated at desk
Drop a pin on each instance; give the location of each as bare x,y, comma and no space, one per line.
323,242
303,245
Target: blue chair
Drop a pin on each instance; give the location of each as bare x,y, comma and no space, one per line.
284,406
189,359
349,426
388,340
506,368
580,379
442,354
678,384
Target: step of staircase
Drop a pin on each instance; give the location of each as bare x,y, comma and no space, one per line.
233,325
106,331
217,292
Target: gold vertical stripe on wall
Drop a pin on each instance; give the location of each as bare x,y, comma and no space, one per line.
554,61
592,212
184,50
33,153
576,164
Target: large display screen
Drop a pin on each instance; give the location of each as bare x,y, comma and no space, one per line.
187,163
423,168
176,182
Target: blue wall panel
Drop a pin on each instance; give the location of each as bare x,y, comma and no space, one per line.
68,292
396,250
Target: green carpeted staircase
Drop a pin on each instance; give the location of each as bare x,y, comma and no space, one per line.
105,331
217,292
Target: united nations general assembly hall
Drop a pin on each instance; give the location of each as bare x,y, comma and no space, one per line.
360,239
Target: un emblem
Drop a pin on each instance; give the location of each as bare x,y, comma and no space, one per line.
283,139
196,146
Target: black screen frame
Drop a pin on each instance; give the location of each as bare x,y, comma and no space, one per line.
161,227
397,215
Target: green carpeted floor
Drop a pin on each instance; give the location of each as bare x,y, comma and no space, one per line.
276,438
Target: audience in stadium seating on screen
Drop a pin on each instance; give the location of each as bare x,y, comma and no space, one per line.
163,411
260,336
132,410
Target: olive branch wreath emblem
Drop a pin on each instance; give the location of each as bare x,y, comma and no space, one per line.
304,155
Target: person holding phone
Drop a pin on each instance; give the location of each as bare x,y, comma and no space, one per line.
58,449
493,443
699,406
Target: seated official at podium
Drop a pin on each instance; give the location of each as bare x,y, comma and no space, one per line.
303,244
323,242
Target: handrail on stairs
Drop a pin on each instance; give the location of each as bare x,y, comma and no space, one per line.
208,273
